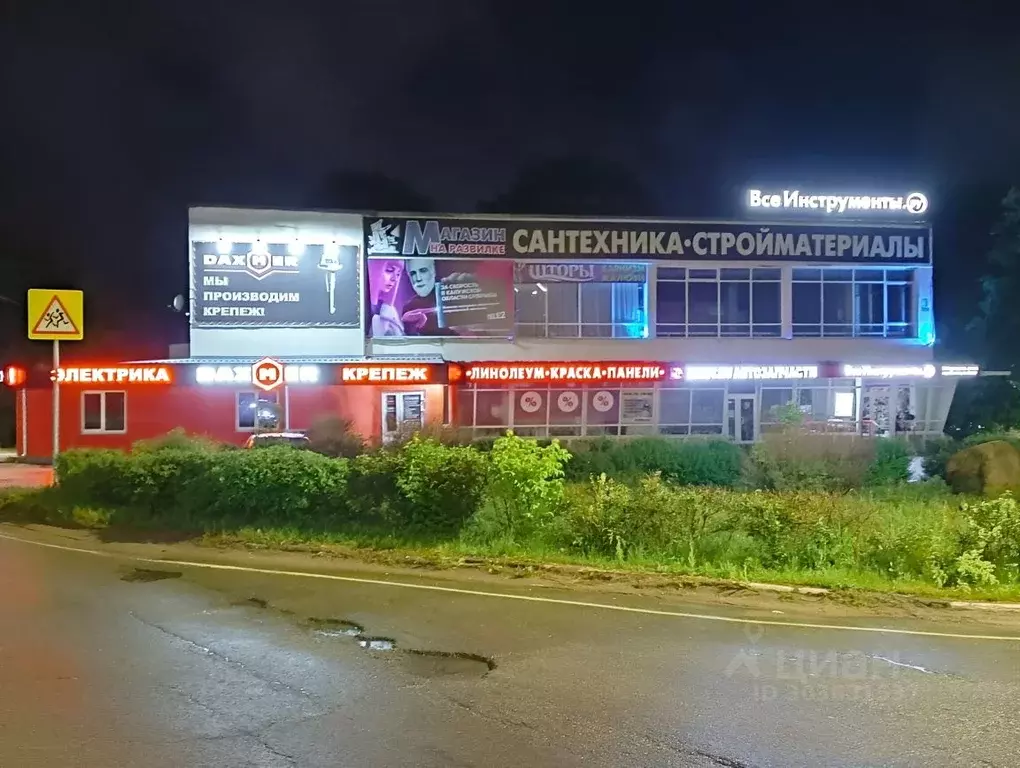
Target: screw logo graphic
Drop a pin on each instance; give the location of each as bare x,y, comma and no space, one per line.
916,203
267,374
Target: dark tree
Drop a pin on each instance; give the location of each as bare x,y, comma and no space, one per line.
369,191
575,185
987,404
993,403
996,330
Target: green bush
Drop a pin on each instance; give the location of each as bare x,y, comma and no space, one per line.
651,517
161,478
991,535
600,520
443,485
692,461
273,486
334,436
185,487
935,454
96,476
373,496
178,439
794,460
523,489
891,464
937,451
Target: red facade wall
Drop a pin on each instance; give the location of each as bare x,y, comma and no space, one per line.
361,404
154,410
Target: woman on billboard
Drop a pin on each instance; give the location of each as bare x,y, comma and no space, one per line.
386,320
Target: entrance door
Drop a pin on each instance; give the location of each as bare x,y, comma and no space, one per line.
740,418
876,419
402,413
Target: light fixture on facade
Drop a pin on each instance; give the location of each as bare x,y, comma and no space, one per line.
295,247
959,370
224,246
925,371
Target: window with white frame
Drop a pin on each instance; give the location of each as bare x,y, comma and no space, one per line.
104,412
853,302
551,411
691,410
718,302
823,406
604,310
256,405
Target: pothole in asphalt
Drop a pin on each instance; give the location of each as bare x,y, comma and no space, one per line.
148,574
253,602
445,663
377,643
336,627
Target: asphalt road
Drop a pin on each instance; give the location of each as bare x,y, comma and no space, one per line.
108,661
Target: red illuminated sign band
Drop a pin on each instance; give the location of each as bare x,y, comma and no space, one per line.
133,374
390,374
566,372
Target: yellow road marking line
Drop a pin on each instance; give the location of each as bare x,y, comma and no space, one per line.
527,598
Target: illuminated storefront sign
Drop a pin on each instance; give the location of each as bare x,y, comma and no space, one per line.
889,371
132,374
912,204
267,374
387,373
566,372
959,370
242,374
749,372
395,240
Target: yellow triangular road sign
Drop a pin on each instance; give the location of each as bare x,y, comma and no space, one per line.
55,315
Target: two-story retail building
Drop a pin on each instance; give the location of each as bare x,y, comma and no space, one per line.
547,326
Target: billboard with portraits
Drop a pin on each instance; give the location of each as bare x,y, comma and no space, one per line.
427,297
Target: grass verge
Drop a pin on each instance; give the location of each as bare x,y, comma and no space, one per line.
47,506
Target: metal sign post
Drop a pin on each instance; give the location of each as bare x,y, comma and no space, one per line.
56,401
55,315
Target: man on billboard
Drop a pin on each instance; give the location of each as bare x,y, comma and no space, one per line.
421,312
423,296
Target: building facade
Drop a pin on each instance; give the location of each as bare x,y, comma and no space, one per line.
547,326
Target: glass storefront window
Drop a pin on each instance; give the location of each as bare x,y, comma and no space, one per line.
853,302
718,302
582,310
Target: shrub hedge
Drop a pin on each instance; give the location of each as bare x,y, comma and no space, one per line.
686,462
667,502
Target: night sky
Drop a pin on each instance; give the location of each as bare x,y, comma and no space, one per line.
117,116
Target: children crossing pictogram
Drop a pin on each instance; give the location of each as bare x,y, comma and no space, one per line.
55,315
